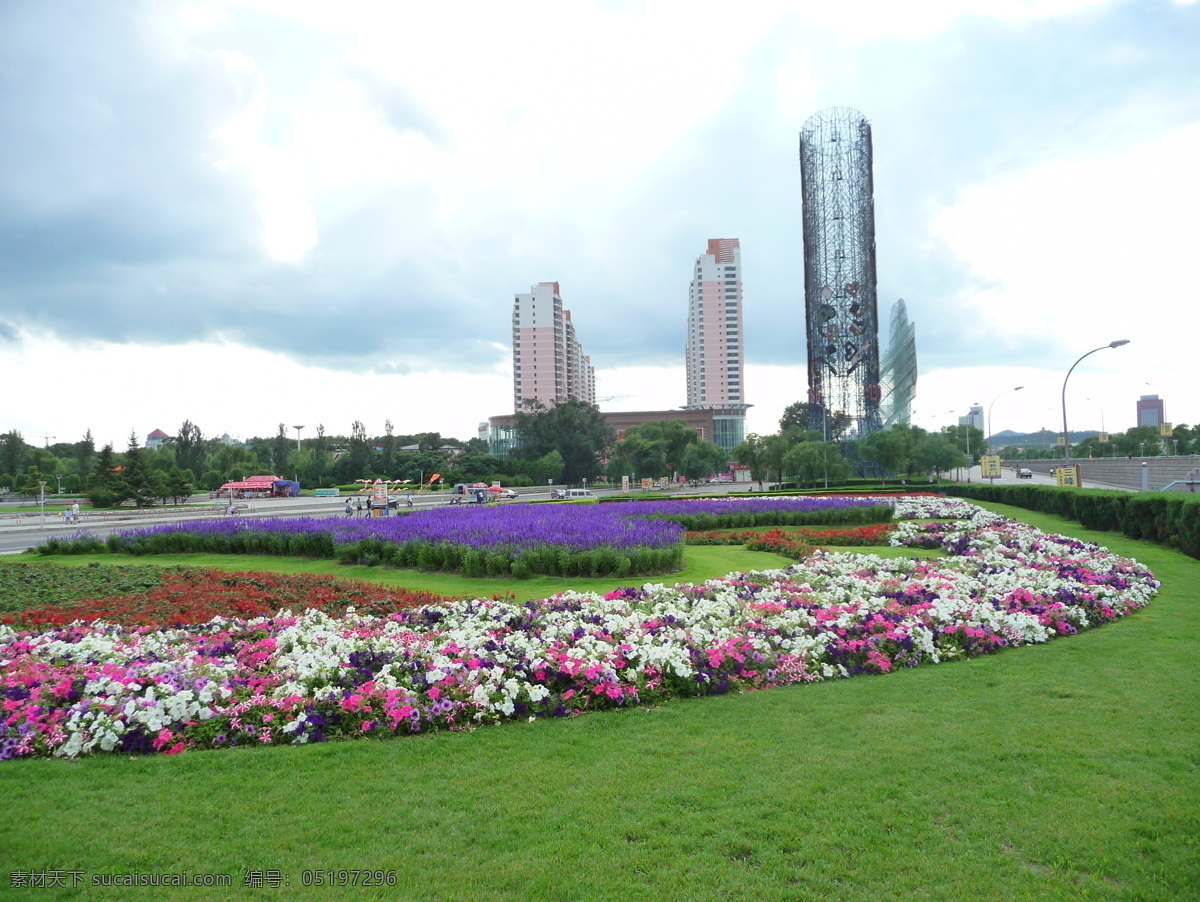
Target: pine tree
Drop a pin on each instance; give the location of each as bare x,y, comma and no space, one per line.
137,483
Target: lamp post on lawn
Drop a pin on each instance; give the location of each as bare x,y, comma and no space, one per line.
59,478
1066,434
42,501
993,404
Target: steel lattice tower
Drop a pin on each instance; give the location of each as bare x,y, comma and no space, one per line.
840,311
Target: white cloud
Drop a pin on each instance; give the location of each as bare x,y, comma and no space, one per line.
231,388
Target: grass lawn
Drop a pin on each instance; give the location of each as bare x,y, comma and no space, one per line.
701,563
1066,771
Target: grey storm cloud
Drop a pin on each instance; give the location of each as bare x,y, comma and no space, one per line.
116,223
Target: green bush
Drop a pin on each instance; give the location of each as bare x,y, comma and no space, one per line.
102,498
1168,518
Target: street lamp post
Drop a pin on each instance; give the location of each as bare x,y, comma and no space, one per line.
42,501
1102,432
990,406
297,428
1066,434
59,478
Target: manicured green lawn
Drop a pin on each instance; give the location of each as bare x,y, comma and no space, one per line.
1067,771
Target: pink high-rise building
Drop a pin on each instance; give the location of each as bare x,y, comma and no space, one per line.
549,365
715,355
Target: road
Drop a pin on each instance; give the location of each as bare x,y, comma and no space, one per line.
15,539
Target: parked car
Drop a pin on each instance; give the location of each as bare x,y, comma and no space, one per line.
570,494
1024,473
508,494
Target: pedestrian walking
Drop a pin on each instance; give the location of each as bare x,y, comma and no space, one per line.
369,507
349,507
75,512
408,499
358,506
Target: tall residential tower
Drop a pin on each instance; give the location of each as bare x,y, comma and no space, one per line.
549,365
714,351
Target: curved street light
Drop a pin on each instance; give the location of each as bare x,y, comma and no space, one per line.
1066,434
993,404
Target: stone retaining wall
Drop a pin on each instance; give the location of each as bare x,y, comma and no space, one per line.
1123,472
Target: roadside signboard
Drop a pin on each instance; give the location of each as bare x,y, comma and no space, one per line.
990,465
1070,476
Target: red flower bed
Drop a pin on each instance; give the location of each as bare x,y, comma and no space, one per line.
876,534
192,595
779,542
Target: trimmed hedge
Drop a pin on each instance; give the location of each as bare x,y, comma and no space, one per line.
552,560
1169,518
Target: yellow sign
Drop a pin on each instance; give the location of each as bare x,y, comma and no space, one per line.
1062,439
1070,476
990,465
1102,438
1164,429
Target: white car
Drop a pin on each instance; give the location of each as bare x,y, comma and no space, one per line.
508,494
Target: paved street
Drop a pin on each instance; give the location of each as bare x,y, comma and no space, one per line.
18,533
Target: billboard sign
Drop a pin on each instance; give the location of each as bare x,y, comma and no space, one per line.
1069,476
990,465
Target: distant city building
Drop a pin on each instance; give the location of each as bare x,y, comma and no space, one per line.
549,365
714,352
1150,411
898,369
974,418
155,439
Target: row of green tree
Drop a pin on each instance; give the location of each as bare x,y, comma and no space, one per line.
1141,441
799,455
567,443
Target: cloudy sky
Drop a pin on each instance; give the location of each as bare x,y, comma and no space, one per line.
257,211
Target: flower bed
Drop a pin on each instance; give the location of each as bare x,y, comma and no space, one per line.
183,596
878,534
518,541
309,677
734,513
28,585
616,539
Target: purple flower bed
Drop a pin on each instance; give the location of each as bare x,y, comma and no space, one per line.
524,527
567,541
734,513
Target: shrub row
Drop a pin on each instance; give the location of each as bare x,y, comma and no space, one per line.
502,561
1169,518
